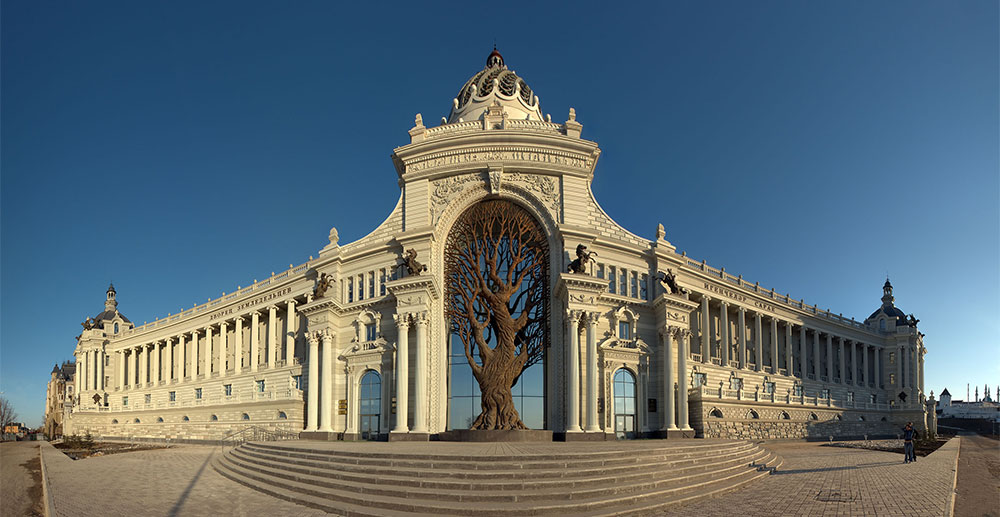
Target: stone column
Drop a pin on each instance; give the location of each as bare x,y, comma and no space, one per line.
865,378
829,358
194,355
816,367
155,370
208,352
742,336
135,378
402,372
724,332
326,407
272,336
353,401
238,350
706,331
592,424
854,363
223,338
254,343
682,409
668,379
915,369
774,345
121,369
920,377
170,359
573,372
803,359
100,370
420,414
182,349
82,373
291,327
877,356
312,396
840,357
758,343
789,356
144,371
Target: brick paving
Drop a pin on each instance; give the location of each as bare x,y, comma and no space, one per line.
175,481
851,481
181,481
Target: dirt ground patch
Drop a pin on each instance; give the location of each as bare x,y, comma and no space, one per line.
102,449
34,467
20,480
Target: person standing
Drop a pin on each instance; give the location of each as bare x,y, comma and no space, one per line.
909,433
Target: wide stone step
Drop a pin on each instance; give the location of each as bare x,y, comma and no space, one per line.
473,463
337,500
538,491
498,470
541,480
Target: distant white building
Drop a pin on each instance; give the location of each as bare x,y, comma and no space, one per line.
984,409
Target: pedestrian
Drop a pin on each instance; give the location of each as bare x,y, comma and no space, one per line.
909,433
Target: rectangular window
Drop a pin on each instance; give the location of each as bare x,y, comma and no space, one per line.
173,396
197,393
227,390
381,282
107,360
635,284
125,401
735,383
797,390
892,357
850,396
350,290
371,284
370,332
769,388
643,292
623,282
611,280
600,271
361,287
826,393
874,399
624,330
260,386
699,379
147,398
297,381
892,378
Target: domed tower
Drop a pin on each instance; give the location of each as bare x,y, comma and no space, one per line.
495,86
904,353
110,304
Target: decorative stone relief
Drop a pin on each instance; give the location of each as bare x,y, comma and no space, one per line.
447,189
543,186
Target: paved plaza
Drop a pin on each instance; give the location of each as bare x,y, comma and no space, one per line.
814,480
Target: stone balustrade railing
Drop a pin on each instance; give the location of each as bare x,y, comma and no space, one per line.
707,393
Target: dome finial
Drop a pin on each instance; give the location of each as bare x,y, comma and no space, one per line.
495,59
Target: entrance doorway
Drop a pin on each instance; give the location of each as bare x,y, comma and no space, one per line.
371,405
624,389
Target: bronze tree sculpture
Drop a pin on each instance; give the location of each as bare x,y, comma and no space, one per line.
496,270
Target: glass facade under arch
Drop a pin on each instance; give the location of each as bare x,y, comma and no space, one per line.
624,390
370,405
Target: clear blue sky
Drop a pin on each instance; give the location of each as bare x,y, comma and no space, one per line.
183,148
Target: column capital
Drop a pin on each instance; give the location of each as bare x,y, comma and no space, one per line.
420,319
573,315
593,318
402,319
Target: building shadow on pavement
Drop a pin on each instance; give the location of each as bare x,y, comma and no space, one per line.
831,469
187,491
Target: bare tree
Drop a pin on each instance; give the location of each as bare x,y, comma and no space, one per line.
7,413
496,268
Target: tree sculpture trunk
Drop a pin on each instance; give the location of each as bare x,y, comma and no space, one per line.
497,276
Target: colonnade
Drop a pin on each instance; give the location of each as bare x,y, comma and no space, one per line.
168,361
90,370
836,362
574,318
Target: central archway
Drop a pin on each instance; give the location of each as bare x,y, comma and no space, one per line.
497,278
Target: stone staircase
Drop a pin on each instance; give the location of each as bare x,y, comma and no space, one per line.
613,480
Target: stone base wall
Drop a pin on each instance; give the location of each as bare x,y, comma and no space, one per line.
199,425
758,421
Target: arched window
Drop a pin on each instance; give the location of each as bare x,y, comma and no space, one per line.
282,415
114,421
116,328
784,416
185,419
137,421
837,418
245,417
812,416
214,418
371,405
159,420
752,415
716,413
861,418
881,324
883,419
624,388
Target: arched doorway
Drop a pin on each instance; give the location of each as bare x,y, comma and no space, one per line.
624,390
496,262
371,405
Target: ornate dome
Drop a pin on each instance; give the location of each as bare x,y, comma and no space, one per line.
495,84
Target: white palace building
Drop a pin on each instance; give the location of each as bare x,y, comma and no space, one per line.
643,341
